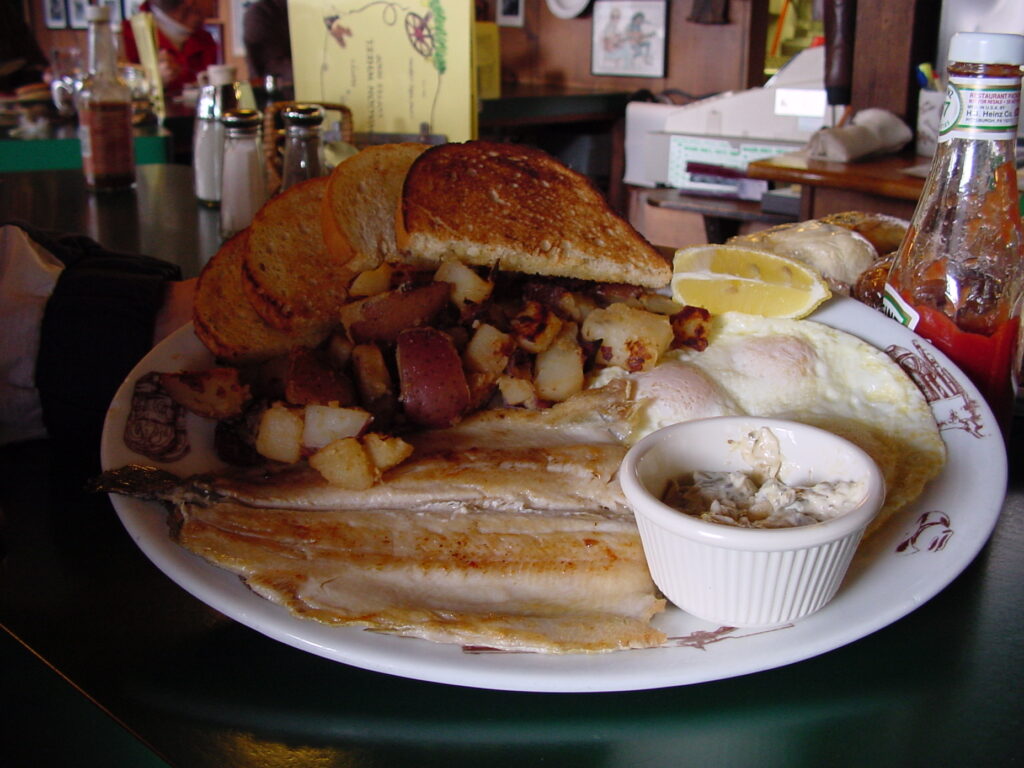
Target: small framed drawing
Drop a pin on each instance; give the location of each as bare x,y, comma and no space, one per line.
76,14
510,13
56,14
629,38
115,10
131,7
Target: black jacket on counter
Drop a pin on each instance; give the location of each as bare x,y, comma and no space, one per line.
97,325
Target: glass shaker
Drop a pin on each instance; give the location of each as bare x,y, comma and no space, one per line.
244,183
215,99
303,148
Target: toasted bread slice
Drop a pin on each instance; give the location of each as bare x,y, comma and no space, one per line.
225,321
358,213
288,275
490,204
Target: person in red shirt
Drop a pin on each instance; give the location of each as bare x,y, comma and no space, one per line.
184,48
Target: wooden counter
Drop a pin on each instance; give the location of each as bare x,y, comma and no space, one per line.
880,186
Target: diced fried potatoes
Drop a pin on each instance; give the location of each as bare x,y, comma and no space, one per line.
630,338
558,370
535,326
377,391
346,463
690,328
386,451
468,289
215,393
372,281
488,350
517,391
339,351
279,436
324,424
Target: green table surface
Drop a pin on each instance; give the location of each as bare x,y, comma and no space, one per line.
108,662
151,146
939,687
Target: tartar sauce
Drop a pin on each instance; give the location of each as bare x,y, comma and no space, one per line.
759,499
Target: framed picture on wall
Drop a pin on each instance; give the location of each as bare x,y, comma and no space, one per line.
629,38
510,13
131,7
56,14
115,10
76,14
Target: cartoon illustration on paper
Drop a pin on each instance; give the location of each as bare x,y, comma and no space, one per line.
389,62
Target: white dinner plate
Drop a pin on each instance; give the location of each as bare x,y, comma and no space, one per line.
918,552
567,9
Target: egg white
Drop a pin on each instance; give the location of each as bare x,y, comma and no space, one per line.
807,372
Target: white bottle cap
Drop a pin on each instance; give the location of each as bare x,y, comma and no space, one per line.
97,13
987,48
220,74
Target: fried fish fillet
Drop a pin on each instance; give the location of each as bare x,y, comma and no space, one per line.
525,549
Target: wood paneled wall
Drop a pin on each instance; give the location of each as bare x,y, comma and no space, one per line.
701,58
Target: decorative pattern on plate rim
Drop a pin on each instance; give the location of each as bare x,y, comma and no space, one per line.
933,530
952,406
701,639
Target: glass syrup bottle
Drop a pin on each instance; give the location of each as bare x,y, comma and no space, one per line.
956,279
105,111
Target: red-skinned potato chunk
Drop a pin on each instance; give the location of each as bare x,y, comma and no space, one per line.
309,379
433,385
215,393
382,317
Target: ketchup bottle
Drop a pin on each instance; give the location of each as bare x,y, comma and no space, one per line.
105,111
957,276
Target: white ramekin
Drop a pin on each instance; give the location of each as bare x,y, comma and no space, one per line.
745,577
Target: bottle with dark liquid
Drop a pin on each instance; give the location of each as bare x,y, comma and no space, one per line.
957,276
105,111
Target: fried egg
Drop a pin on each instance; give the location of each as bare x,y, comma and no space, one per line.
807,372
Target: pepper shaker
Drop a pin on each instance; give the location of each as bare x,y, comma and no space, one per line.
303,149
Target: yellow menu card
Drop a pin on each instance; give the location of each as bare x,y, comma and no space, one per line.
405,69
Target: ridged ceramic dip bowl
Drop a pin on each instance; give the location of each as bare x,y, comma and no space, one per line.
744,576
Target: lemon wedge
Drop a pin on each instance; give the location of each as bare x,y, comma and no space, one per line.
727,278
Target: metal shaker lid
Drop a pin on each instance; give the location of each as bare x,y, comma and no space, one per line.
303,115
242,119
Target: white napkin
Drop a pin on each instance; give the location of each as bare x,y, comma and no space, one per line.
872,132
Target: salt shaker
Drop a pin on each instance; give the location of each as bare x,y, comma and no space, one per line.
244,187
303,148
215,99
